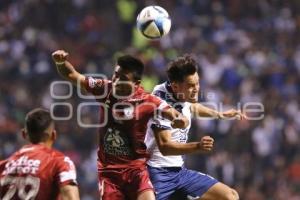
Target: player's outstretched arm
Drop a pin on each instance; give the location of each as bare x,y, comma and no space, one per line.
69,192
168,147
66,69
199,110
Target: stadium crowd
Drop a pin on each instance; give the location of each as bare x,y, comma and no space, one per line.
248,52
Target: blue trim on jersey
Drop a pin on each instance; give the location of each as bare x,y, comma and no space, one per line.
187,182
160,127
167,95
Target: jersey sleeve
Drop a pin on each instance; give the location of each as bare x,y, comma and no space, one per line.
95,86
158,121
161,123
160,104
66,172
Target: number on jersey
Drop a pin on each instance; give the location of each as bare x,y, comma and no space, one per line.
18,184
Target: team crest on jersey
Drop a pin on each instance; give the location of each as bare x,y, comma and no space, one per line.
128,112
124,113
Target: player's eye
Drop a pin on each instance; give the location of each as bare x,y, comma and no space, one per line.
192,85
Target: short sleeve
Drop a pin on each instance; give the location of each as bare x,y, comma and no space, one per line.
66,172
95,86
160,104
158,120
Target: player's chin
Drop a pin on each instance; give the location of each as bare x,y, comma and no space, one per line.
193,99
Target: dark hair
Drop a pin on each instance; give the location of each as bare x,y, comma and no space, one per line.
36,122
133,65
181,67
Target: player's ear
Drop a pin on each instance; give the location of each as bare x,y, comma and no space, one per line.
53,135
174,86
24,134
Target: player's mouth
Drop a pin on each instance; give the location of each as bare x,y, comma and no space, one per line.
194,97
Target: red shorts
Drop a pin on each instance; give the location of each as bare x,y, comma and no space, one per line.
124,183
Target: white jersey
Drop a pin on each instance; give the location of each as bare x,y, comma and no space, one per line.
179,135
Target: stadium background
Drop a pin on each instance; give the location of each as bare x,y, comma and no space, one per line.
248,51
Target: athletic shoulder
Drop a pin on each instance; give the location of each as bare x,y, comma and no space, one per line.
160,91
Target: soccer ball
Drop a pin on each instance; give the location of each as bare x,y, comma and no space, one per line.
153,22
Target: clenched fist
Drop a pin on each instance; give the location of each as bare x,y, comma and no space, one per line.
59,56
206,144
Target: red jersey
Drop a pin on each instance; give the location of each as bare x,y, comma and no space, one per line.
35,172
121,138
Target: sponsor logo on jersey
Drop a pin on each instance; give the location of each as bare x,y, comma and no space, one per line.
115,144
23,165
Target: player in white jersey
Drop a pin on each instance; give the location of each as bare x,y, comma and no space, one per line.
167,145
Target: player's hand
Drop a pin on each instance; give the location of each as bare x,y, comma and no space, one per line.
232,114
59,56
180,122
206,144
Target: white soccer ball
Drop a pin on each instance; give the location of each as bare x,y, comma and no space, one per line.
153,22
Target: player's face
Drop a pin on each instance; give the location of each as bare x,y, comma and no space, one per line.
123,82
188,90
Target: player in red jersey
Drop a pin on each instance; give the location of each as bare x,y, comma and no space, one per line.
37,171
125,109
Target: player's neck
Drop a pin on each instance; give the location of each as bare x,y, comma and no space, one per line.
47,144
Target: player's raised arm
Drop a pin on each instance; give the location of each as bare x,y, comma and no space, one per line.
66,69
199,110
69,192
